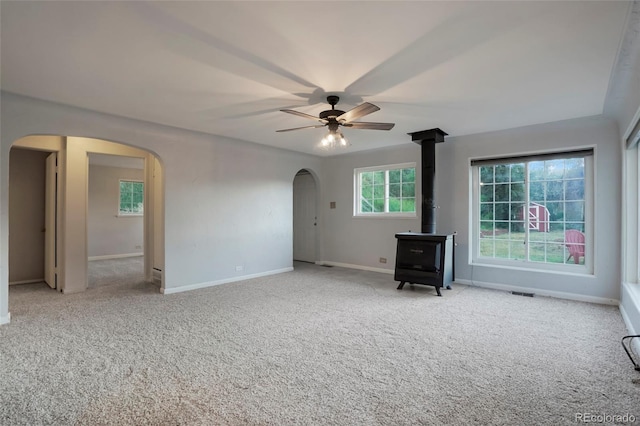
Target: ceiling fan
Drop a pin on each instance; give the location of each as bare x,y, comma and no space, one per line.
334,118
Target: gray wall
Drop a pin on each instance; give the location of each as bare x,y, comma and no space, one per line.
26,215
623,98
453,189
363,241
623,103
108,233
227,203
358,240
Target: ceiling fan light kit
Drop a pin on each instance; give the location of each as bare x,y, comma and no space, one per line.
333,140
334,118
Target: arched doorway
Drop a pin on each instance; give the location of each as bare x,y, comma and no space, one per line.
71,207
305,217
115,221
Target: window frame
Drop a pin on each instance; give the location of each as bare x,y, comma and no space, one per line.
134,214
524,264
357,191
637,215
630,211
636,191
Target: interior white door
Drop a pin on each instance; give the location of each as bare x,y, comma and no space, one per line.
51,191
304,218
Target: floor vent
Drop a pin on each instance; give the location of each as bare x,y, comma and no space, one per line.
520,293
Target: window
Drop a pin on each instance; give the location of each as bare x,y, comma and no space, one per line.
131,198
636,193
385,190
533,210
631,181
631,202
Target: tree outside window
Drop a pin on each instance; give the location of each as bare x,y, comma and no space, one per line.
386,190
526,209
131,198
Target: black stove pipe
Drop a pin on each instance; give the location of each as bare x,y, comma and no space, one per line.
427,139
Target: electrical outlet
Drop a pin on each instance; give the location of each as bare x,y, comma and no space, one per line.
383,260
239,268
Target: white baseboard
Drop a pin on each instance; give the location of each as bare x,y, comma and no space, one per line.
351,266
37,280
115,256
539,292
197,286
5,319
494,286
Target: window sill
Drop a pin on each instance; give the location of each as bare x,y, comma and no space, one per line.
580,271
130,215
385,216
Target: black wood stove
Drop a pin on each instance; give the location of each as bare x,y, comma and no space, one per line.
426,257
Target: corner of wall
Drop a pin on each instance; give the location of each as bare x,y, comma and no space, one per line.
630,307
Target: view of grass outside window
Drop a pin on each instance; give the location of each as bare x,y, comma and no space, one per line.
386,190
533,211
131,198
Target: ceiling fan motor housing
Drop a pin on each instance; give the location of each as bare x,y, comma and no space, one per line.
330,113
332,100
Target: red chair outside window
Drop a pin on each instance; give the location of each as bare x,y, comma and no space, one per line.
574,240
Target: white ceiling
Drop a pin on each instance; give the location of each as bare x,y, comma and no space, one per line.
226,68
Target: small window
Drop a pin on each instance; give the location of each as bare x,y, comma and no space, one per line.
131,198
385,190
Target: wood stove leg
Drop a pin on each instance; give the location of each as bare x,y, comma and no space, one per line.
401,285
438,291
448,286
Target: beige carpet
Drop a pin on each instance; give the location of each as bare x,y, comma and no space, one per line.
125,271
315,346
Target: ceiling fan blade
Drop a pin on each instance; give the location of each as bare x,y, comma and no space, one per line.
357,112
304,127
302,114
372,126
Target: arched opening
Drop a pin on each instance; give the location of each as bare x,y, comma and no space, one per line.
51,175
115,220
305,217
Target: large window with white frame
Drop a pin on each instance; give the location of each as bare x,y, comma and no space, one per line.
637,210
534,211
385,190
131,198
630,211
631,216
